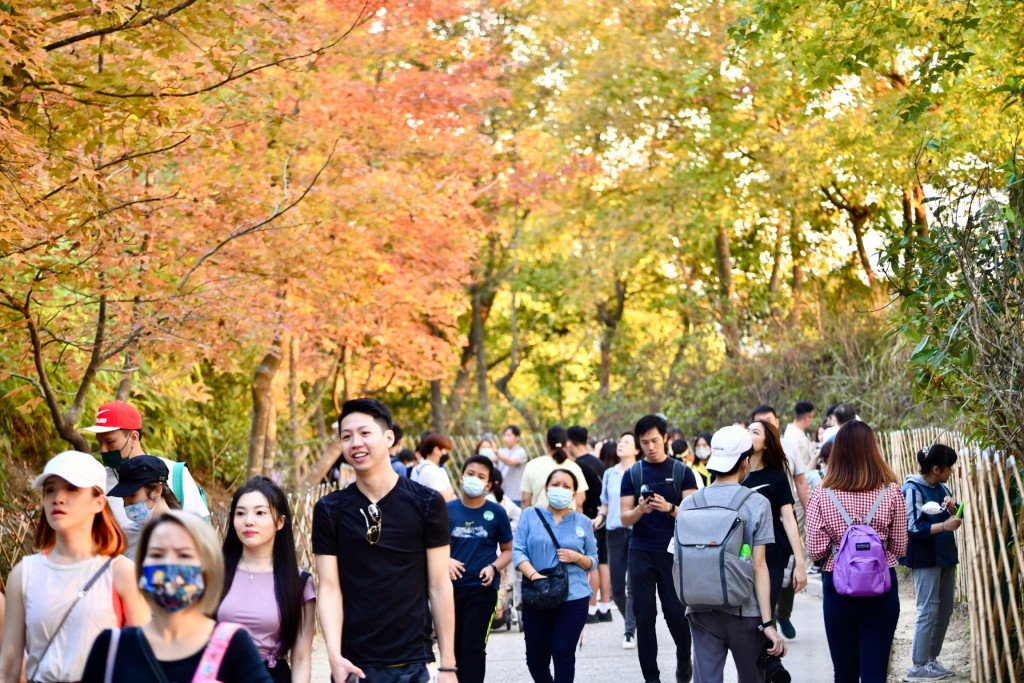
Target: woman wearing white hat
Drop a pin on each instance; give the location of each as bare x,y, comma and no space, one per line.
75,585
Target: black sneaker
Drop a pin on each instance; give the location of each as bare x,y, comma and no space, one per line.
685,675
592,618
604,616
786,628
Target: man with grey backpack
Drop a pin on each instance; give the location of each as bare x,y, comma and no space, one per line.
721,574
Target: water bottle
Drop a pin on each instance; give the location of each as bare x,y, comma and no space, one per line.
745,552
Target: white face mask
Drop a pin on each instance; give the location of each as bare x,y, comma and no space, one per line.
702,452
473,486
489,452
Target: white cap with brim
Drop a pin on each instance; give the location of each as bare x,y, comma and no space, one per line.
76,468
727,446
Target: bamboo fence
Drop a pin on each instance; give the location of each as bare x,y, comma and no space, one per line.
990,581
991,576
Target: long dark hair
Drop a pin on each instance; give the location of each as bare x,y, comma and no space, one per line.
609,454
288,583
773,457
497,479
557,438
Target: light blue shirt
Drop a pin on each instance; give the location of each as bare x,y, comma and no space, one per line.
532,542
613,483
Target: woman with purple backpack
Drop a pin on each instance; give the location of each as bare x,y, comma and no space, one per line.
856,522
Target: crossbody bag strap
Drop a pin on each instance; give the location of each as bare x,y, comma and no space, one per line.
81,594
213,655
548,527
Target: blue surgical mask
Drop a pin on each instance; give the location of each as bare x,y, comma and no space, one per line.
488,452
173,586
559,498
473,486
137,512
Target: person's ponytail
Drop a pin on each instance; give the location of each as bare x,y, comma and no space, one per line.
557,439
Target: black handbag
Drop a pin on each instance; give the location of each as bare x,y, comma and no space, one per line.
553,589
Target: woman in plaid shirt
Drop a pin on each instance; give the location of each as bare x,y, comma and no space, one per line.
859,630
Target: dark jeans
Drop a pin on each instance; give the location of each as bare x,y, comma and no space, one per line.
784,609
650,574
618,564
474,608
776,574
552,634
407,673
860,632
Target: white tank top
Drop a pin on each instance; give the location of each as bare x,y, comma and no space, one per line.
49,589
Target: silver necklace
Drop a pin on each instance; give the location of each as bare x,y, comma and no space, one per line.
250,572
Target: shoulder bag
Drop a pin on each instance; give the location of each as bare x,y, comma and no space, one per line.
553,589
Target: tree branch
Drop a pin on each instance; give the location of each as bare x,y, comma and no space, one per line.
232,76
123,26
254,228
129,157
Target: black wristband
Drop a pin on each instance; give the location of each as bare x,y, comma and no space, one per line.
767,624
491,565
448,670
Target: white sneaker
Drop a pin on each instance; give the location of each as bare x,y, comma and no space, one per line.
628,643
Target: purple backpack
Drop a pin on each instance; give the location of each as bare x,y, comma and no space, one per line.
861,566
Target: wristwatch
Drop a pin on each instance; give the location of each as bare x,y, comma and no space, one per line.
491,565
767,624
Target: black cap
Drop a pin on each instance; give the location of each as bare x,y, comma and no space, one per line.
134,473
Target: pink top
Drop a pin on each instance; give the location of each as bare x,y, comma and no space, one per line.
254,605
825,525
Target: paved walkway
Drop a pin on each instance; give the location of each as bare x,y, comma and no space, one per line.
602,658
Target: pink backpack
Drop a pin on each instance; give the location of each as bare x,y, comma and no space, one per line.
861,565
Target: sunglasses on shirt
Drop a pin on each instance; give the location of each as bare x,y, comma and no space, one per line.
372,518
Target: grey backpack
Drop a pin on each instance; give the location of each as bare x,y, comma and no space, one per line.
708,570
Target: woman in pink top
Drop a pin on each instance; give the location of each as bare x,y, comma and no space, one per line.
259,557
860,630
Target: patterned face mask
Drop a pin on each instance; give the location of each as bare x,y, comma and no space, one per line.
173,586
137,512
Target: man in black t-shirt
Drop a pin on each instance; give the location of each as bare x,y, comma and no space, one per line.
593,471
651,512
382,550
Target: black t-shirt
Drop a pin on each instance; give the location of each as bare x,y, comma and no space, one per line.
774,485
136,661
593,472
654,530
383,586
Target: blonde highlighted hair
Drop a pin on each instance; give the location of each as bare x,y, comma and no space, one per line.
211,559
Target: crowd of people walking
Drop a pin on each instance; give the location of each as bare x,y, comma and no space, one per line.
129,580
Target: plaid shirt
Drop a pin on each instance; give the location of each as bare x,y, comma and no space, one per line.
825,526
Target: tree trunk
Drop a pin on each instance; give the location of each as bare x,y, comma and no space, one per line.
322,466
796,245
294,422
436,407
270,444
477,338
262,399
775,283
609,317
859,217
723,264
920,211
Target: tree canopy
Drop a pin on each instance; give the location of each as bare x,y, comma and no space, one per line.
239,214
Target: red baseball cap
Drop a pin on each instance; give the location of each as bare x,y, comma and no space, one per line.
116,415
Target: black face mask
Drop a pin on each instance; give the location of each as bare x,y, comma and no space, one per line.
112,459
444,459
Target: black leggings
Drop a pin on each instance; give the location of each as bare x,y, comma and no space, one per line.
281,673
